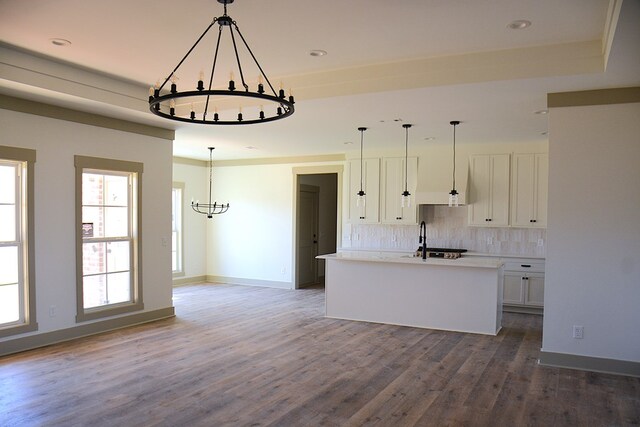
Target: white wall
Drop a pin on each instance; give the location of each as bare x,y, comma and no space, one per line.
253,242
56,142
196,187
593,251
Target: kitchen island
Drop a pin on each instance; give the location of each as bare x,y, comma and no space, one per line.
463,294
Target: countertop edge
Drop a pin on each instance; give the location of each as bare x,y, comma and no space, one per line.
469,262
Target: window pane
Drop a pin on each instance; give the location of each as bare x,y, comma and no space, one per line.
119,287
9,303
116,190
93,258
117,256
92,189
115,222
94,291
7,223
8,187
94,216
8,264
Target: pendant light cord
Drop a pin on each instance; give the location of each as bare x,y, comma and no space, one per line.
362,129
454,156
406,159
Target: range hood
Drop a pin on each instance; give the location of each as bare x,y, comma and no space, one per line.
438,197
435,181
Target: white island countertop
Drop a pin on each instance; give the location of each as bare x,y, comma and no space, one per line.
396,258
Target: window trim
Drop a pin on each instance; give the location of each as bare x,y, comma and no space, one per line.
180,186
101,164
30,323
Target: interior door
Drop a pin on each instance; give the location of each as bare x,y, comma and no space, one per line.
308,235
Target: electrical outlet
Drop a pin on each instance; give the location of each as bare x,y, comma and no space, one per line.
163,241
283,271
540,242
52,311
489,240
578,332
394,238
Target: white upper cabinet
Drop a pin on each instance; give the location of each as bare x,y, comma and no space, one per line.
370,212
393,184
489,190
529,189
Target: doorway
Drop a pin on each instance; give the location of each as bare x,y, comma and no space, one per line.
317,221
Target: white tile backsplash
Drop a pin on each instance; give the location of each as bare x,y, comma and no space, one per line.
446,228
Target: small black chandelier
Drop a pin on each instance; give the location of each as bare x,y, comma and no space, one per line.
200,95
209,209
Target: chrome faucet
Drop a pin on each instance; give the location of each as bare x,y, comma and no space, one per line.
423,239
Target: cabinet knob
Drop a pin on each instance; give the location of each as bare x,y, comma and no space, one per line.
532,220
525,265
361,217
398,217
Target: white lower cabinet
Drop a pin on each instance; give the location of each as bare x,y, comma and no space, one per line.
523,285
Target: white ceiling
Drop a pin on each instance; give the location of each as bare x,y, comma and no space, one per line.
422,61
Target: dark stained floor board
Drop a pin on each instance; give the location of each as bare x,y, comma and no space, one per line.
251,356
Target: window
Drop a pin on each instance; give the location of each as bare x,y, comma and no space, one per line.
108,194
176,229
17,271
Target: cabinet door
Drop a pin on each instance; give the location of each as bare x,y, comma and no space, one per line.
534,292
500,165
369,213
489,190
513,288
393,184
479,191
529,182
542,189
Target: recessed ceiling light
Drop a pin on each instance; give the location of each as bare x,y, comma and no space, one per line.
60,42
251,147
544,133
520,24
541,112
430,138
317,52
348,143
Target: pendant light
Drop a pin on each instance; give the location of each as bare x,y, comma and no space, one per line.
405,198
453,194
360,195
210,209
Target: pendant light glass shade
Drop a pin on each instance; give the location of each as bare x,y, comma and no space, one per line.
453,194
405,197
361,195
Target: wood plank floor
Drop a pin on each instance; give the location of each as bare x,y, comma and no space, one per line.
248,356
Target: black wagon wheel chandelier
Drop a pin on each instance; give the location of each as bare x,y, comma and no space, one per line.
158,100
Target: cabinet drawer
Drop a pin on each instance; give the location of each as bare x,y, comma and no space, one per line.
524,265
